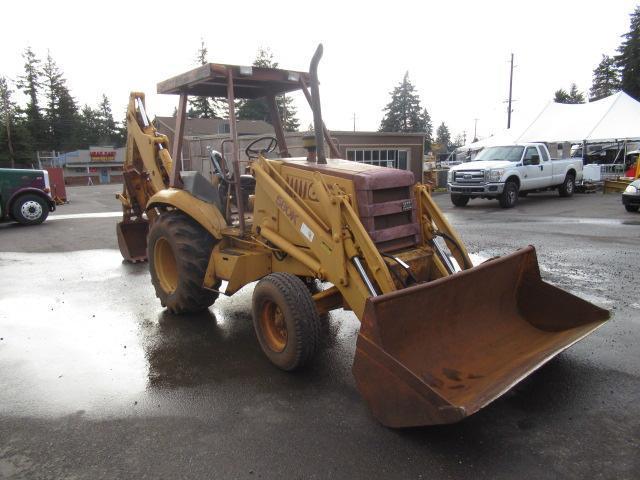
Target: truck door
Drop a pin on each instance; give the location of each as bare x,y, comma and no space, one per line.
534,169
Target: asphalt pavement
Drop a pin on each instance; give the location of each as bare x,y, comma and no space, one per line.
98,381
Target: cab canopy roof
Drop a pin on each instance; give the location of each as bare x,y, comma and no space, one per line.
210,80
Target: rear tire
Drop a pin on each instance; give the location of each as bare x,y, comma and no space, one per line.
568,186
459,200
509,196
178,249
29,209
285,320
632,208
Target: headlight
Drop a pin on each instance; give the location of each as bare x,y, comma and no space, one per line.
631,189
450,175
496,175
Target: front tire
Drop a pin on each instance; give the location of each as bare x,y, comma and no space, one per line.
285,320
178,249
568,186
459,200
30,209
509,196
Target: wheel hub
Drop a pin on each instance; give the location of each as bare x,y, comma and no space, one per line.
164,263
31,210
273,326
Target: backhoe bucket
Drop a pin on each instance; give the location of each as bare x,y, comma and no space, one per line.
132,240
438,352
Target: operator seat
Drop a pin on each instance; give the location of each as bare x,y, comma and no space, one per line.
226,179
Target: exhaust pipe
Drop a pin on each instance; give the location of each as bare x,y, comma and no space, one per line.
315,106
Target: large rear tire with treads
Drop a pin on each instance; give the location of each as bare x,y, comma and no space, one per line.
178,249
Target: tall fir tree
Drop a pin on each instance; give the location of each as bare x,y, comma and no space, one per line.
203,107
258,110
628,59
106,126
443,137
428,130
60,112
30,84
89,130
7,122
16,146
572,96
606,79
404,113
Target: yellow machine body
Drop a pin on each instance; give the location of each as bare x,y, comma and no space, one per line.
440,338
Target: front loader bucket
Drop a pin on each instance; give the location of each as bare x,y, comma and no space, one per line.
132,240
438,352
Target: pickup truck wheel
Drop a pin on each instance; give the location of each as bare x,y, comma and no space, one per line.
30,209
568,186
178,249
632,208
509,196
286,320
459,200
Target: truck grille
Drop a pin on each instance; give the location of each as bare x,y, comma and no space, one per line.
469,177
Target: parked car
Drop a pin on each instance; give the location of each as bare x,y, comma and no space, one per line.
25,195
631,196
507,172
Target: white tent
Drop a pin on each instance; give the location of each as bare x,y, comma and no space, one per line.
612,118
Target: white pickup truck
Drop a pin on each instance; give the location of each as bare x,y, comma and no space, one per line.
507,172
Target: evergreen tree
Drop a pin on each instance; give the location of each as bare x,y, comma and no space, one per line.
202,107
7,120
106,126
443,137
606,79
561,96
60,112
30,85
15,142
573,96
403,112
257,109
428,130
629,57
89,127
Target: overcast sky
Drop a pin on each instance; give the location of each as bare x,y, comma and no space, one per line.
456,52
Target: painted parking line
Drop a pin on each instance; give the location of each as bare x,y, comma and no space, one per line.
85,215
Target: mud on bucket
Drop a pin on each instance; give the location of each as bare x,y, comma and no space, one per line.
438,352
132,240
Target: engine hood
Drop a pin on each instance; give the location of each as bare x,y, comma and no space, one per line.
483,165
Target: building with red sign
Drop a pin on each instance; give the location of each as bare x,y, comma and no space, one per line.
96,165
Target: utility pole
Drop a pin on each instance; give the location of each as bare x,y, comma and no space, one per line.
354,121
510,94
475,129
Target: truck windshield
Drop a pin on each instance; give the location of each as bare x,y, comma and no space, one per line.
510,154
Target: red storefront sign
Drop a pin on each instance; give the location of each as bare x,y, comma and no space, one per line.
102,156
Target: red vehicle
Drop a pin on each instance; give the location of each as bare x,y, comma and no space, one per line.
25,195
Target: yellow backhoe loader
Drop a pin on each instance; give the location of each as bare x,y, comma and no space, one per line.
439,338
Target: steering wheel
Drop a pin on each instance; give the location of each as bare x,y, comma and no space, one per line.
253,153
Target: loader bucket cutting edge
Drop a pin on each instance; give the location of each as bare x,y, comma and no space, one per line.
438,352
132,240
